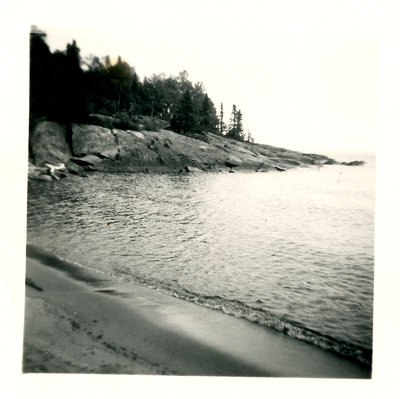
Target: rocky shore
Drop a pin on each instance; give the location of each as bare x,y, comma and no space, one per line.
56,151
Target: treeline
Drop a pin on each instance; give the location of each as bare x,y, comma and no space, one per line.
65,88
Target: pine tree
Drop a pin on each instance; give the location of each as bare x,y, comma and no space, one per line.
236,125
41,94
221,124
250,137
69,93
183,120
232,123
208,117
239,125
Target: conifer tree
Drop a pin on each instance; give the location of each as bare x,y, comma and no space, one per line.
250,137
221,124
236,125
183,120
41,95
208,117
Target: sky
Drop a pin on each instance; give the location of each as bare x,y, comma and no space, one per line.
304,76
303,73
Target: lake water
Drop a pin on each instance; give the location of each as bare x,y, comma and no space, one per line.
292,251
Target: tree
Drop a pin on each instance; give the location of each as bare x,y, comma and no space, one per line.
75,93
98,86
239,125
250,137
208,117
232,122
120,76
198,94
65,89
183,120
41,75
184,83
112,88
221,124
236,125
133,98
160,96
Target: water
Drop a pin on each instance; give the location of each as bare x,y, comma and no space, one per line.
293,251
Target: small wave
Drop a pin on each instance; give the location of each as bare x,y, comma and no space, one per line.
288,327
74,269
260,316
232,307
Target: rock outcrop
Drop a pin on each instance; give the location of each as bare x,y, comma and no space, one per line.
48,144
93,140
353,163
115,150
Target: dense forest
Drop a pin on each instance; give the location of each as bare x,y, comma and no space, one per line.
66,88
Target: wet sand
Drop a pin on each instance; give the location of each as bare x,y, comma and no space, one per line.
112,327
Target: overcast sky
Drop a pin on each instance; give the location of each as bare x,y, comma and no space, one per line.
303,73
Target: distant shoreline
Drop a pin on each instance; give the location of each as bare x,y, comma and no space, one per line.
96,148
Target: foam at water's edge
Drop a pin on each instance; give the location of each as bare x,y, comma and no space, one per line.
255,315
231,307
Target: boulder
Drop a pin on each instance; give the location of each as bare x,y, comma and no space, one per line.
45,178
33,173
102,120
192,169
134,148
48,143
260,168
139,135
41,177
36,170
112,153
90,168
93,140
232,162
87,160
353,163
330,162
290,162
74,168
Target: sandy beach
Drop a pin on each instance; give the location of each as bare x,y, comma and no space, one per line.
105,326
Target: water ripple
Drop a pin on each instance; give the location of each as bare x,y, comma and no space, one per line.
297,246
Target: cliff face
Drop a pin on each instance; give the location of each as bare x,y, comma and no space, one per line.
98,148
48,143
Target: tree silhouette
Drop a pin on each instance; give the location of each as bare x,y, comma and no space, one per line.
120,76
183,120
64,88
208,118
41,82
236,125
221,124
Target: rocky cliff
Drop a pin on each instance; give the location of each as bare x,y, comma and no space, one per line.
113,150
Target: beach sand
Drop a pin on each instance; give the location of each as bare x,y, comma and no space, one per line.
105,326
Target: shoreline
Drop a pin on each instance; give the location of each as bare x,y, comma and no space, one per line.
111,327
97,148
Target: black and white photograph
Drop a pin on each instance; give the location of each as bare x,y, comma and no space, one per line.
200,191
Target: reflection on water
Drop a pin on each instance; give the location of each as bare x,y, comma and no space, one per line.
296,246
